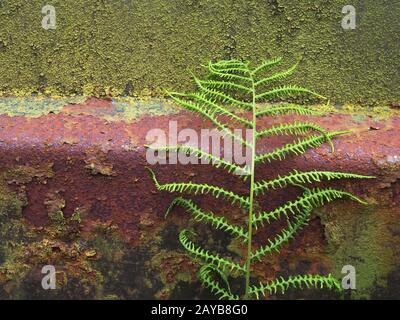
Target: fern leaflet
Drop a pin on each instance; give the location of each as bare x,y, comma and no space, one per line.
219,223
206,277
297,177
286,91
285,109
215,161
284,236
282,285
312,198
197,188
266,65
277,76
216,260
295,128
298,147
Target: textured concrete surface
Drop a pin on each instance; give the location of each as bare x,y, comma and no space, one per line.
111,47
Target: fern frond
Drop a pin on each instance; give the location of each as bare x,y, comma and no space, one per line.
284,236
298,177
298,147
217,162
223,97
284,109
201,98
266,65
218,222
277,76
295,128
206,277
312,198
288,90
198,188
216,260
231,85
207,114
281,284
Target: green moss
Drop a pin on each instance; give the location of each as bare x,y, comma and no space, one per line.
59,244
360,236
173,267
135,47
12,230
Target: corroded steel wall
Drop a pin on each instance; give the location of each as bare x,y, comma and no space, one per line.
74,193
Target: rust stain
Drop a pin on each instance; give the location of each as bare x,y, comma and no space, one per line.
96,162
99,165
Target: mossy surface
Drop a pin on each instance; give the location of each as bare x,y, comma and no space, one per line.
363,239
141,47
93,258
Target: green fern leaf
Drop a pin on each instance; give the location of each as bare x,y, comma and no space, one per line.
210,116
232,67
223,97
284,237
220,223
206,277
277,76
285,91
298,177
203,99
284,109
229,76
282,285
216,260
213,84
217,162
232,83
197,188
266,65
297,148
229,63
312,198
295,128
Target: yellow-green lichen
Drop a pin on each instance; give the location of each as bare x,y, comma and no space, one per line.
360,237
35,106
115,48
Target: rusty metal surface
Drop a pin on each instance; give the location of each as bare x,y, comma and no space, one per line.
99,165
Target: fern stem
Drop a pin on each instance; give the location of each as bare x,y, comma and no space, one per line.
252,191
